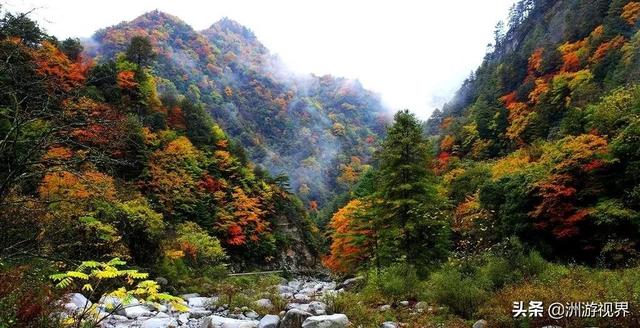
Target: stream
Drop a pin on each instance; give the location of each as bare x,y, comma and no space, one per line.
304,297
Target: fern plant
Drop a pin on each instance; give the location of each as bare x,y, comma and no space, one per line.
88,277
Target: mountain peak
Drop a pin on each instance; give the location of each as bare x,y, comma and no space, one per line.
158,16
231,26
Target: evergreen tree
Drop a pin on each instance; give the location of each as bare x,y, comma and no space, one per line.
432,125
140,51
199,124
72,48
408,219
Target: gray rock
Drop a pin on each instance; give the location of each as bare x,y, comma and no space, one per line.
78,299
201,302
480,324
199,312
310,283
159,323
422,305
329,286
389,324
303,307
385,307
70,308
183,318
326,321
302,298
162,315
285,289
308,291
136,311
292,306
251,315
269,321
186,297
404,303
117,317
103,315
294,318
295,284
351,283
111,302
215,321
264,303
76,302
162,281
317,308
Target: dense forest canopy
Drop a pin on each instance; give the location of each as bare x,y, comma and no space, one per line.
98,163
540,138
300,126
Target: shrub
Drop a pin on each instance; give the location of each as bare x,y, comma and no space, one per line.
460,293
356,307
499,271
567,284
245,290
395,283
200,247
26,299
193,259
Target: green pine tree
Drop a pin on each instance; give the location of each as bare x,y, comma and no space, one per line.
409,219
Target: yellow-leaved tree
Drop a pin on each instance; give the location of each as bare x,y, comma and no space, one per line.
90,276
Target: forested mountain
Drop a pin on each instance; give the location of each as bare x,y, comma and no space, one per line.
319,131
541,141
99,161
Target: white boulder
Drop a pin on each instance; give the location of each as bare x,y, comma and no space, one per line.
326,321
159,323
215,321
135,311
269,321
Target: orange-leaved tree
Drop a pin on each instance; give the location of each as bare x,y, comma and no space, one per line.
352,237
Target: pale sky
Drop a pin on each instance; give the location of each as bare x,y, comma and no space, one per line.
414,53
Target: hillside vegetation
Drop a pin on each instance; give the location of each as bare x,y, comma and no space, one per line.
303,126
98,164
532,181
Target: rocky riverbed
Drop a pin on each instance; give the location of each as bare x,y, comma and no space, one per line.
304,309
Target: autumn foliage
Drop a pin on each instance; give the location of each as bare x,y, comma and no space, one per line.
116,164
631,12
63,74
540,126
351,238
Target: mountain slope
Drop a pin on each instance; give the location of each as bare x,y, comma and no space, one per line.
538,142
317,130
100,165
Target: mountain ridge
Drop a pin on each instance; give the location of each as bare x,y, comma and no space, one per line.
319,130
